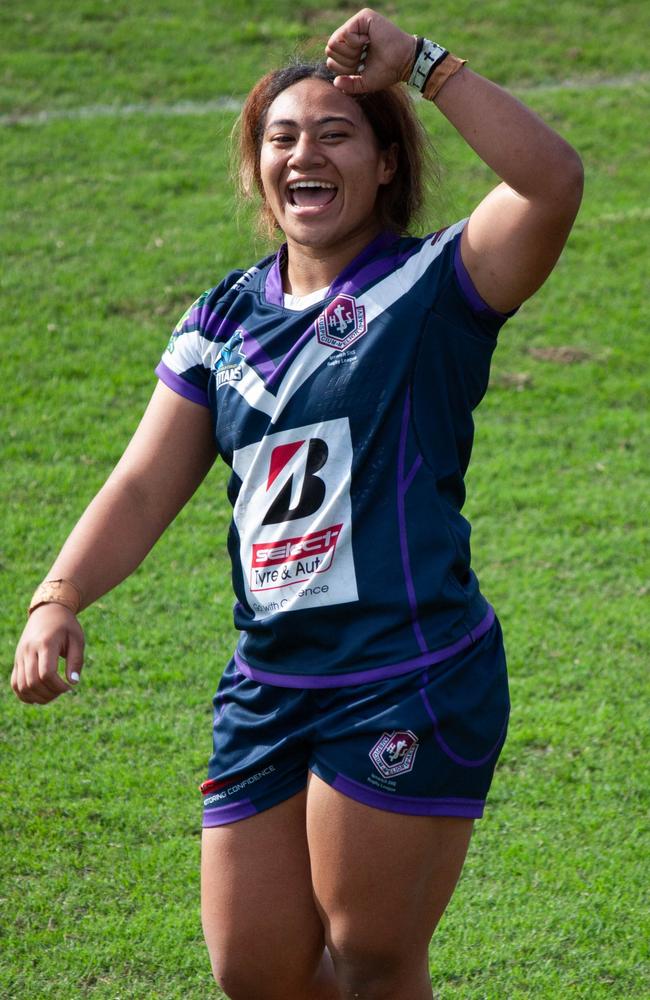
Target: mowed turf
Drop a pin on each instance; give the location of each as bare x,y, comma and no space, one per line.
111,225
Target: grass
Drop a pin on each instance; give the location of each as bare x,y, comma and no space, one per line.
111,226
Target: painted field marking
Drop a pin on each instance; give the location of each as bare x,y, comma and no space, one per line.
201,108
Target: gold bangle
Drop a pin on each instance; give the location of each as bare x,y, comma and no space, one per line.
63,592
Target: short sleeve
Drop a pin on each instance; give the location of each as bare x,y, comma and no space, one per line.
194,344
453,365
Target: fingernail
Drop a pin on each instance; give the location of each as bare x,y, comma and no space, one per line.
74,677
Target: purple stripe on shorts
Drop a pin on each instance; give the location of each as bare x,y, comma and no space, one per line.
409,804
180,385
468,289
457,759
228,814
366,676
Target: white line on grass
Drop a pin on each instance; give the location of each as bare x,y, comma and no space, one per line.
637,213
188,108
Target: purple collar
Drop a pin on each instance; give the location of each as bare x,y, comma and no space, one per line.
347,281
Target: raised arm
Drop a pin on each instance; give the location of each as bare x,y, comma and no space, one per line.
166,460
516,234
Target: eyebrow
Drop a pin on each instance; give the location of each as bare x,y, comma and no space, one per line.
320,121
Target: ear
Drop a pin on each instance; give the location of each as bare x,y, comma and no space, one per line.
388,166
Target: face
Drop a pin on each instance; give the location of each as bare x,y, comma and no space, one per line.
321,166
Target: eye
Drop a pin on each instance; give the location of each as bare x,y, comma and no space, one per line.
334,135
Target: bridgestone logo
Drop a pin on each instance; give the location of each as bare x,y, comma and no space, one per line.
293,515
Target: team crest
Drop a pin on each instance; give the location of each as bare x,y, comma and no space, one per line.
394,753
341,323
228,366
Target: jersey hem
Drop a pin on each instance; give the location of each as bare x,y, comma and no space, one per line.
366,676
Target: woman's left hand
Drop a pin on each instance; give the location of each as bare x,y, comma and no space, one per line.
389,53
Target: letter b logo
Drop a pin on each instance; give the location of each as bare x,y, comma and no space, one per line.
307,495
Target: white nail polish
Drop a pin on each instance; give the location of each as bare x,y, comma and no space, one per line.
74,677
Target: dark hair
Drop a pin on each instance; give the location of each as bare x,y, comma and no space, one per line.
391,116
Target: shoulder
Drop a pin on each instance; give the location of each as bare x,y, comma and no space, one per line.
204,314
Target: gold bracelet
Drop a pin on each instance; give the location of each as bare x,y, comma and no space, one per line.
63,592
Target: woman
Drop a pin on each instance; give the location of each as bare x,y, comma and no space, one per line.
358,724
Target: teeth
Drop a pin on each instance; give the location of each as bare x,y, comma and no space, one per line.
310,184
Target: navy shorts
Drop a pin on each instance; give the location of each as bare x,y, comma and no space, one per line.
424,744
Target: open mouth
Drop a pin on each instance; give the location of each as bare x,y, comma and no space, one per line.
311,194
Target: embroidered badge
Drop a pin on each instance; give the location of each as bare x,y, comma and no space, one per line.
395,753
228,366
341,323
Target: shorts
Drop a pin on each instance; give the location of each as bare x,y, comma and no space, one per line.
424,744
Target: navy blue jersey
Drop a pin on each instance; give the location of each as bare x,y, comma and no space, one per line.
348,428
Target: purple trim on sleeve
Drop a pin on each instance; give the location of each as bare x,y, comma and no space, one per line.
403,483
457,759
409,804
366,676
468,289
228,814
181,385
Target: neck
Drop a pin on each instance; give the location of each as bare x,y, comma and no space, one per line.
312,267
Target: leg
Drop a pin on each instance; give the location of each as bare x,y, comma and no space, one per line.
263,932
381,882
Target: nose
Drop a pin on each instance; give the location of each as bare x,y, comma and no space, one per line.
306,152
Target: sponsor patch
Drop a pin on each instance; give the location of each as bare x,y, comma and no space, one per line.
394,753
293,515
341,323
293,560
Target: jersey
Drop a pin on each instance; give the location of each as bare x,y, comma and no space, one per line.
348,428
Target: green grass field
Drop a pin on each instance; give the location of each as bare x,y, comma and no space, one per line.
116,212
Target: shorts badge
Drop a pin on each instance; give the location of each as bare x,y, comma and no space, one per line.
394,753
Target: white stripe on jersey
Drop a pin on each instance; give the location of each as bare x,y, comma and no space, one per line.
375,301
191,345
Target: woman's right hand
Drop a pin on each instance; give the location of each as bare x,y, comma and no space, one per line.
52,631
389,53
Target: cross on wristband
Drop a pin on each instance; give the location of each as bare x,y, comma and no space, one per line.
429,55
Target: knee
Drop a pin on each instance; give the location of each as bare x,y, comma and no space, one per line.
240,980
241,976
377,969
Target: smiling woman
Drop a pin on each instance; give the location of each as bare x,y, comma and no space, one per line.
386,119
358,724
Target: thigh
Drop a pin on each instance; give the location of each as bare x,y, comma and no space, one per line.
381,879
261,925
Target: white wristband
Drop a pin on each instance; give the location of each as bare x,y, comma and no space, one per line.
430,55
